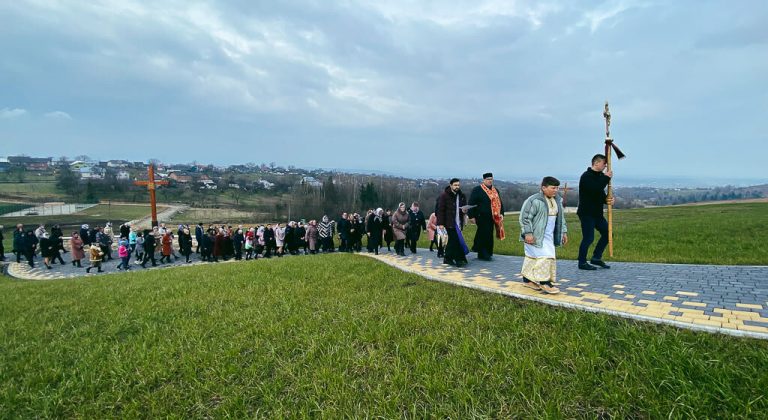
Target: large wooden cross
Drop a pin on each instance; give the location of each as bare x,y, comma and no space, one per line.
151,185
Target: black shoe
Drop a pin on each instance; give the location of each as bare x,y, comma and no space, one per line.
449,262
585,266
460,264
599,263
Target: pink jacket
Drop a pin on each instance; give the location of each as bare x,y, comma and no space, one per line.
122,251
432,226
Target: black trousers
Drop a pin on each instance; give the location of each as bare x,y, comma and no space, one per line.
413,239
483,244
588,226
453,251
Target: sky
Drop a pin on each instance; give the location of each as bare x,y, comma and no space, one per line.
416,88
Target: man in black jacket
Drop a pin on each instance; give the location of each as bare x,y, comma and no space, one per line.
450,206
592,197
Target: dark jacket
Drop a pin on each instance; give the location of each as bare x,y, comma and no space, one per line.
417,221
344,227
483,211
592,193
446,208
85,236
18,240
30,242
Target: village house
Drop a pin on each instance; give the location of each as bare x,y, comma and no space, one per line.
30,163
179,177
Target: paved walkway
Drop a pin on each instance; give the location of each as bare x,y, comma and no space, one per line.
68,271
725,299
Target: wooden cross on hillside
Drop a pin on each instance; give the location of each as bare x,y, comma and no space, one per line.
151,185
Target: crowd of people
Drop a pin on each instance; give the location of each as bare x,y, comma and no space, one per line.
542,228
214,243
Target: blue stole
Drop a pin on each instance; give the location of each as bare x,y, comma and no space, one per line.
463,244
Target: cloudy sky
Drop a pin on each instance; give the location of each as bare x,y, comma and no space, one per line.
408,87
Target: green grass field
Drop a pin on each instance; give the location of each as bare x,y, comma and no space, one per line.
345,336
734,233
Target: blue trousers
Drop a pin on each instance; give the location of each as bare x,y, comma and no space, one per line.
588,226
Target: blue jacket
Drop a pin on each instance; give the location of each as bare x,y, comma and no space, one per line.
533,219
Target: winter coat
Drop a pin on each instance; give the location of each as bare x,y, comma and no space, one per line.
432,226
218,245
386,225
533,219
237,241
167,241
46,247
18,240
400,223
96,253
279,236
185,243
326,229
76,246
446,208
123,251
344,227
312,236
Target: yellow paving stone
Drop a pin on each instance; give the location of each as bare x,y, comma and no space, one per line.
647,302
617,286
564,280
697,304
748,306
671,298
583,284
574,289
668,316
708,322
722,311
745,315
731,326
621,292
684,319
592,295
648,292
630,296
687,294
653,313
753,328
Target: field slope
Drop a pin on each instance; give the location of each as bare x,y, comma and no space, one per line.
343,335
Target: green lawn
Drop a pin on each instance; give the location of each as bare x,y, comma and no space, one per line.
735,233
345,336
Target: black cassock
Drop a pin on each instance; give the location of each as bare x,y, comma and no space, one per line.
483,216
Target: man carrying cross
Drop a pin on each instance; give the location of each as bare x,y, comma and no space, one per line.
592,197
488,214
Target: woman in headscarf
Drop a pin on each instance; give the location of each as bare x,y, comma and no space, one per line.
77,247
312,236
400,222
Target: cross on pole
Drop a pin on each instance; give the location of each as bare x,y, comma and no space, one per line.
151,185
610,146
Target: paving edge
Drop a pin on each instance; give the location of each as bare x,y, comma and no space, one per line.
683,325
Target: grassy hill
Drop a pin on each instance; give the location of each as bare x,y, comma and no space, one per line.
342,335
